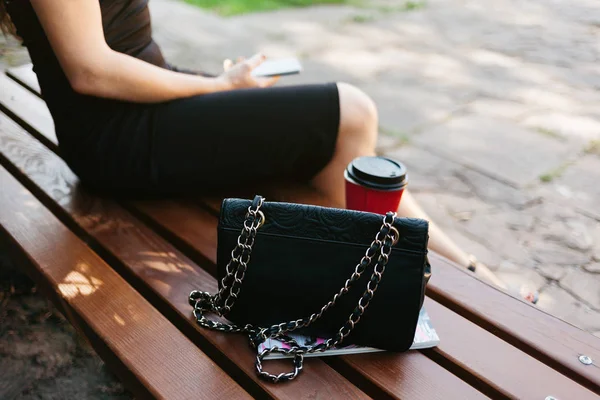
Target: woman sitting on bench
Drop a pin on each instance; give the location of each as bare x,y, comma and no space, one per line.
129,122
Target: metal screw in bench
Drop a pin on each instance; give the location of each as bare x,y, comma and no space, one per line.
585,359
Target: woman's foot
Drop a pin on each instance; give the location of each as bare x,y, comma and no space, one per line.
529,295
483,272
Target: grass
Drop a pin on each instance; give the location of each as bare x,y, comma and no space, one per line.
362,18
556,173
402,7
404,138
235,7
593,147
414,5
548,177
549,133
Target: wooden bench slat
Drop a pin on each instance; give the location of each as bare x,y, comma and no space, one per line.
541,335
386,371
478,353
159,271
164,363
202,250
26,77
29,110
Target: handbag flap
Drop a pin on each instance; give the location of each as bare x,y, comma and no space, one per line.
323,223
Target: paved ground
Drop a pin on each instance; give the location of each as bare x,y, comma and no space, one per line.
494,106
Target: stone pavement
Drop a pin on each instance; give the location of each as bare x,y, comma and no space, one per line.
494,106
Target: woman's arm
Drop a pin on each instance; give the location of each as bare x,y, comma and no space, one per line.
74,29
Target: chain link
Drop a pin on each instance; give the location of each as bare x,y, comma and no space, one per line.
378,252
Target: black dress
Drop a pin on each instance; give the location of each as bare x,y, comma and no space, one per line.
223,139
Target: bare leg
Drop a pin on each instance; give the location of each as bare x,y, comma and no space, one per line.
358,137
442,244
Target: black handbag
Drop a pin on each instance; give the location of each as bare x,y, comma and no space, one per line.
283,267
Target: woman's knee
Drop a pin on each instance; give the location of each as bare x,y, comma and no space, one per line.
358,115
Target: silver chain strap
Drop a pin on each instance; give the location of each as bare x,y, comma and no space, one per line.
378,252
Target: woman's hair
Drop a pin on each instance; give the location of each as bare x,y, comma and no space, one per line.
6,25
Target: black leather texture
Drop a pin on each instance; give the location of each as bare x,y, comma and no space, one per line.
303,255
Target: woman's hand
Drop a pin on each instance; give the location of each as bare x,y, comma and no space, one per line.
239,75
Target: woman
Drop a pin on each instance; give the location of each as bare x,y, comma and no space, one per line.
129,122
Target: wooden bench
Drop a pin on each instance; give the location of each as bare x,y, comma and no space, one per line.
121,271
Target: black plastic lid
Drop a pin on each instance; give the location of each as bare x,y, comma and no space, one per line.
378,173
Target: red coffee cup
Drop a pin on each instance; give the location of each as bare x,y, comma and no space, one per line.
374,184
